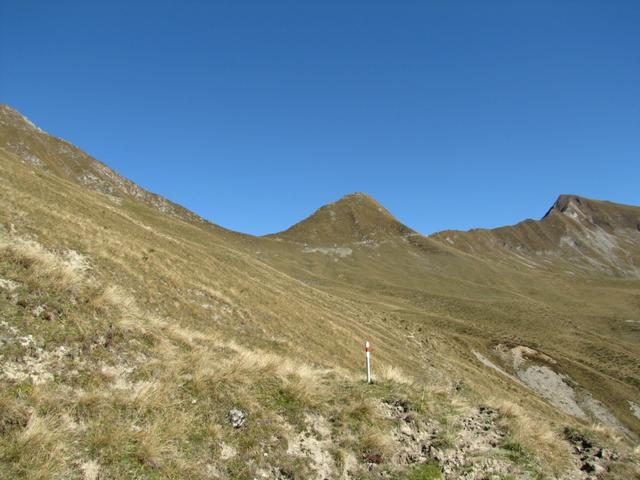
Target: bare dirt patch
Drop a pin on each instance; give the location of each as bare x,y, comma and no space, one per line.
314,444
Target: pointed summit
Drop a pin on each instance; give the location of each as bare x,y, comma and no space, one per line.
354,218
563,202
591,212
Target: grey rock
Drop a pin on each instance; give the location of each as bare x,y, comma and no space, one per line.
237,417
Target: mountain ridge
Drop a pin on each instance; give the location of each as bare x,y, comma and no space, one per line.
34,146
359,207
588,234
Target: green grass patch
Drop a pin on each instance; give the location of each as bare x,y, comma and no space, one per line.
426,471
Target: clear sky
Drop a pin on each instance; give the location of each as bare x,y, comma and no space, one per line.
453,114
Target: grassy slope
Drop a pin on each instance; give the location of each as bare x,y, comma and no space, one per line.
165,335
484,296
176,321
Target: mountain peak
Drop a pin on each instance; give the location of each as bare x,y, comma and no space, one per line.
564,200
356,217
356,197
571,205
599,213
359,200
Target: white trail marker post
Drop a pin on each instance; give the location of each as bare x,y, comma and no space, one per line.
367,350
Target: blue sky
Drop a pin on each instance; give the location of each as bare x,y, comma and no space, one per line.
453,114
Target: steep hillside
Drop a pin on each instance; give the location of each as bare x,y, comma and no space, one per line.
139,341
20,136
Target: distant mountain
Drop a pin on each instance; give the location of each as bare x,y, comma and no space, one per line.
579,233
354,218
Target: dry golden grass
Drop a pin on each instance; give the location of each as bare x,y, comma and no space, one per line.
376,441
44,267
156,442
391,373
202,324
607,431
158,421
537,436
40,450
115,296
90,470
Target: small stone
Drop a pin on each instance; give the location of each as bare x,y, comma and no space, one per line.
598,469
237,417
588,467
375,458
8,285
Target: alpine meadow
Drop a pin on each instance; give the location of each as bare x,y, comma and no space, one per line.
138,340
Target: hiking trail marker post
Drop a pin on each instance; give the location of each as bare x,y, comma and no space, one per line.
367,352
